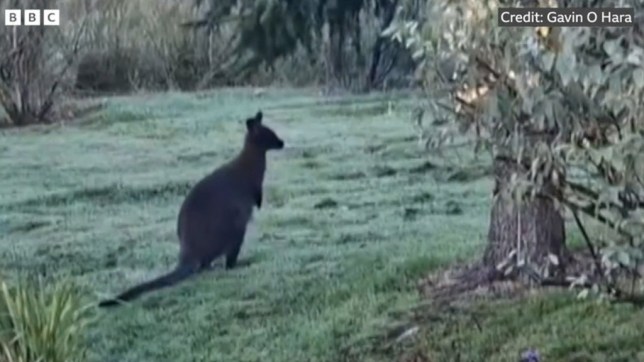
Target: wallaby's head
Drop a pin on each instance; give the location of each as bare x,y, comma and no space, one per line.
262,136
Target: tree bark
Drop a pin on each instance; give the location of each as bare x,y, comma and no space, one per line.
534,229
376,54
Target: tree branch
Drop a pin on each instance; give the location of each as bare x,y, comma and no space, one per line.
589,244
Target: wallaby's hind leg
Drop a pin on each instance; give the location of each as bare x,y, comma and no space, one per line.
205,265
236,240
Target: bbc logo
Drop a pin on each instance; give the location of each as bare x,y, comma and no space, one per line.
14,17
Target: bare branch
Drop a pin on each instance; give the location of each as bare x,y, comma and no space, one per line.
49,99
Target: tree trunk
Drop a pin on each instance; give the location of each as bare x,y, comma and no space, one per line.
376,54
534,229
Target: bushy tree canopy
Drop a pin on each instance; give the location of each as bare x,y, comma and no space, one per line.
268,30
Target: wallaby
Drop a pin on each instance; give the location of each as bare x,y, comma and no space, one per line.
213,217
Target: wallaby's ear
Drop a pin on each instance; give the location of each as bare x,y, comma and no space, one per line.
255,121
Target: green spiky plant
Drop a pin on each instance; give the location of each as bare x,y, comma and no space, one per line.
39,323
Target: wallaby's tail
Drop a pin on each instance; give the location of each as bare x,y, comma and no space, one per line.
180,273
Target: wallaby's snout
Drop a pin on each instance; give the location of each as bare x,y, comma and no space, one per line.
280,144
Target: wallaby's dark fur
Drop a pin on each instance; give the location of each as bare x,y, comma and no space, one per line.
213,218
